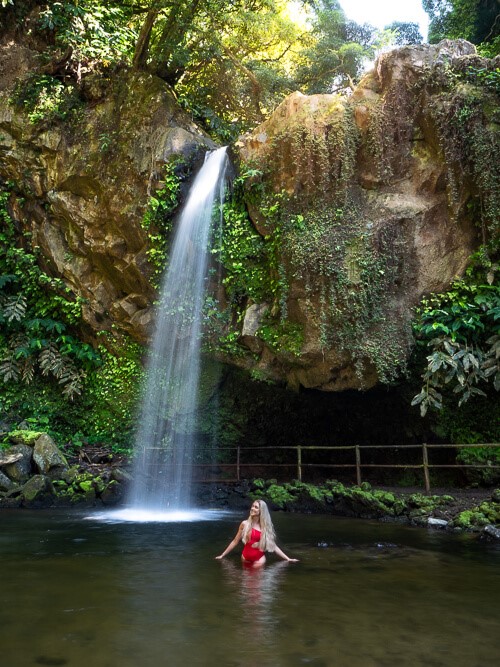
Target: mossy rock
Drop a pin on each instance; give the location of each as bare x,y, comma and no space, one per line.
37,488
22,437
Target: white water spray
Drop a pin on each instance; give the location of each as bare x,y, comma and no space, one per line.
165,443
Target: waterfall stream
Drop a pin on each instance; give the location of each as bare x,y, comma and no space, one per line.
165,440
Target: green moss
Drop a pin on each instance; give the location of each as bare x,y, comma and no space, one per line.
360,500
320,237
25,437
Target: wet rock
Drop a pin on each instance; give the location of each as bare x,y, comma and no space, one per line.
120,475
401,210
436,523
21,469
47,455
88,189
112,494
6,484
11,502
37,488
491,532
253,320
7,459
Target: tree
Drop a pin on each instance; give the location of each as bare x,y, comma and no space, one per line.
475,20
405,32
230,62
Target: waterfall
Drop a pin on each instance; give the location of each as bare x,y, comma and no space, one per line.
165,441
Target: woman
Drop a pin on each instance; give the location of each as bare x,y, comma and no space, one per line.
258,536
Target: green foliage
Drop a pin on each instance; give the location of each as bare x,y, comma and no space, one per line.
78,486
111,395
282,336
470,143
45,98
488,456
406,32
36,313
461,330
333,51
40,346
488,77
243,254
487,513
362,500
95,31
474,20
26,437
158,218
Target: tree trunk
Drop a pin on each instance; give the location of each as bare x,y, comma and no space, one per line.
256,87
142,47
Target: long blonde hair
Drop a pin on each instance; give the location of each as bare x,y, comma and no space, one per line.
267,540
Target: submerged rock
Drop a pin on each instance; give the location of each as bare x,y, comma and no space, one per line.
437,523
491,532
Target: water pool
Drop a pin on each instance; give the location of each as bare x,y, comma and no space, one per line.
81,589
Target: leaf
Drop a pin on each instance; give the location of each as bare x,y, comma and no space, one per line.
9,369
416,400
5,279
15,308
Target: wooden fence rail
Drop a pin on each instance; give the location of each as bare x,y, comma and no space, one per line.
300,465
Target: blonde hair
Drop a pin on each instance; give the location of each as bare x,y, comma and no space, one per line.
267,540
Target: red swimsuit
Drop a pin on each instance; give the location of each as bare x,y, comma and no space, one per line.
249,553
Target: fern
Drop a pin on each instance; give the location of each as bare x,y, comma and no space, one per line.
51,361
27,370
14,308
73,384
9,369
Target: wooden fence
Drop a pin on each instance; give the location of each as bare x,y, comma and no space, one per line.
237,468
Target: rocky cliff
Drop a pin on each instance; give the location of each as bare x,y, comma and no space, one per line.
364,203
375,201
85,179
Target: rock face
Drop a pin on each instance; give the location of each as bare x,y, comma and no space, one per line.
87,182
371,197
363,201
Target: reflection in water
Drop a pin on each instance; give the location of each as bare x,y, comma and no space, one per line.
257,591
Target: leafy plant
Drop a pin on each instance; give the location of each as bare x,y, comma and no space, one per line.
45,98
158,217
465,355
35,313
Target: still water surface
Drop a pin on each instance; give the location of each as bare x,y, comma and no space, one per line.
79,591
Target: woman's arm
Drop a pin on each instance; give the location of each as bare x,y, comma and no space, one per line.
283,555
233,543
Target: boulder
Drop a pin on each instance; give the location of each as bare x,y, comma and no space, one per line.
491,532
36,489
47,455
367,211
21,469
6,484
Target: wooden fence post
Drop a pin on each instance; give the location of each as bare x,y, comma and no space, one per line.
426,468
299,463
238,463
358,466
